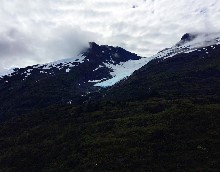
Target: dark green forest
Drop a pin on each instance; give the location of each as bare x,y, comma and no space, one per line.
152,135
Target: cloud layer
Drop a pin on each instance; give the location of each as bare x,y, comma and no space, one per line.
42,31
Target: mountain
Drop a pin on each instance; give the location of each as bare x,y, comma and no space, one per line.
163,117
193,72
61,82
76,80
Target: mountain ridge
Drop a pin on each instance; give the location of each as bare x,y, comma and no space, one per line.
74,81
60,82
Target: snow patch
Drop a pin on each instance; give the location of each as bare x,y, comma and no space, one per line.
60,64
122,70
6,72
96,80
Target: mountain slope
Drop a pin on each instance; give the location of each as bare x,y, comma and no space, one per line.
71,81
194,73
61,82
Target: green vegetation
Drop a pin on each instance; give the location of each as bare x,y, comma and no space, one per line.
153,135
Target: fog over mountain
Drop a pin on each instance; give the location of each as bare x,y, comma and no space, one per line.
33,32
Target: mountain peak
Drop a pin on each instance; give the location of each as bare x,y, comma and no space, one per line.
93,45
199,39
187,37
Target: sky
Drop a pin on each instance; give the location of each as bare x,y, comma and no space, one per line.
41,31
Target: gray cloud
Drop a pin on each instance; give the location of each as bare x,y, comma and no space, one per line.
13,42
41,31
17,49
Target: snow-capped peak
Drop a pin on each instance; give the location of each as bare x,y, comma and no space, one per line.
199,40
188,37
190,42
94,65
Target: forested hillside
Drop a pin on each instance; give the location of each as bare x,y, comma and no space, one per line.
165,117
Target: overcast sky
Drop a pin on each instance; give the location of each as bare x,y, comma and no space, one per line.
39,31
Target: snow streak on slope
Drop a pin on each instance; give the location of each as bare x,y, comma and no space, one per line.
48,68
70,62
122,70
